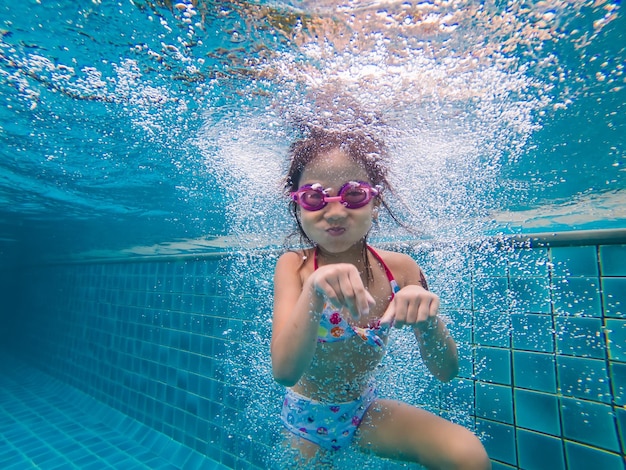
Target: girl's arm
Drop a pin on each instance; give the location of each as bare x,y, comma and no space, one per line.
438,349
295,322
415,306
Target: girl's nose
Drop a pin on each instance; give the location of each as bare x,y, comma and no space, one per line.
335,210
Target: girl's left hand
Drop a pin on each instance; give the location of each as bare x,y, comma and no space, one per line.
414,306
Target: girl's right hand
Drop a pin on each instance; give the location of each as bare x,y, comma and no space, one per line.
341,285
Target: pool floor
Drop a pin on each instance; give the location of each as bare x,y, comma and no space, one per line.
47,424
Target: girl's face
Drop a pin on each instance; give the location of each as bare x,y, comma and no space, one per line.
335,228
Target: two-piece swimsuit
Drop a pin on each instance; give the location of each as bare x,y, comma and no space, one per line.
332,425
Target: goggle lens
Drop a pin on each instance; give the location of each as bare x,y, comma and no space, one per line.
353,195
311,199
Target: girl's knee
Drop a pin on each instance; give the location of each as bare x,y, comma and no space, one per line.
468,454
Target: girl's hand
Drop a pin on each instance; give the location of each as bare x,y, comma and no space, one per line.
342,286
414,306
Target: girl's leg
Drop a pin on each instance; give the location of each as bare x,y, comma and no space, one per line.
300,453
399,431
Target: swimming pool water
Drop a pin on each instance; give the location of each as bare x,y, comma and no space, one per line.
131,124
141,214
175,345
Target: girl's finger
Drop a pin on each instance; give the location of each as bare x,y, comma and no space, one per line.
434,307
362,298
423,310
388,319
349,296
401,310
331,292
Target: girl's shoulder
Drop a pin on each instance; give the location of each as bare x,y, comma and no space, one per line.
295,255
293,259
402,266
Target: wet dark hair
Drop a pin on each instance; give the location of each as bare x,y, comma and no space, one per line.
367,151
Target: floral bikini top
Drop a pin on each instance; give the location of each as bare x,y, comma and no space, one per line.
333,327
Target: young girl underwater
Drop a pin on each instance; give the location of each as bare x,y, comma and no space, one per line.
334,305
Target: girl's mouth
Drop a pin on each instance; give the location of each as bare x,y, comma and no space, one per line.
335,231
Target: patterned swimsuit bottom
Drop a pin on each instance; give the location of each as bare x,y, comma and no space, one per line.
329,425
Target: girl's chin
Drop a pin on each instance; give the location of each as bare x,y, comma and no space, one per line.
340,247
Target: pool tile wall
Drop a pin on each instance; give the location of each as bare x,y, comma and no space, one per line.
559,388
48,424
173,344
183,346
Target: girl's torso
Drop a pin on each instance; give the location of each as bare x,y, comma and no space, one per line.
343,363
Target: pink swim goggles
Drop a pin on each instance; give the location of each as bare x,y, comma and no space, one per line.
353,195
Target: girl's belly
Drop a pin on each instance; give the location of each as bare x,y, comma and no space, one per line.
339,371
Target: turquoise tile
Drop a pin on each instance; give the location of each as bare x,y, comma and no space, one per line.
539,451
534,371
20,463
532,332
460,324
589,423
574,261
530,295
501,466
458,394
489,263
82,431
493,365
457,416
614,297
196,460
529,263
582,337
465,352
618,381
258,455
583,378
494,402
227,459
620,415
499,440
492,329
491,294
457,294
577,296
613,260
537,412
581,457
616,338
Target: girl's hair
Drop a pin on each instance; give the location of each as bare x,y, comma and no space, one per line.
368,152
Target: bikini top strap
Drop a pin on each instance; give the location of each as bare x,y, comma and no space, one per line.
382,263
388,271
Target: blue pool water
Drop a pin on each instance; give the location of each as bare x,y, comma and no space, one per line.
143,146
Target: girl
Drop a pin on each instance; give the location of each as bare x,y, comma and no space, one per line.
334,304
